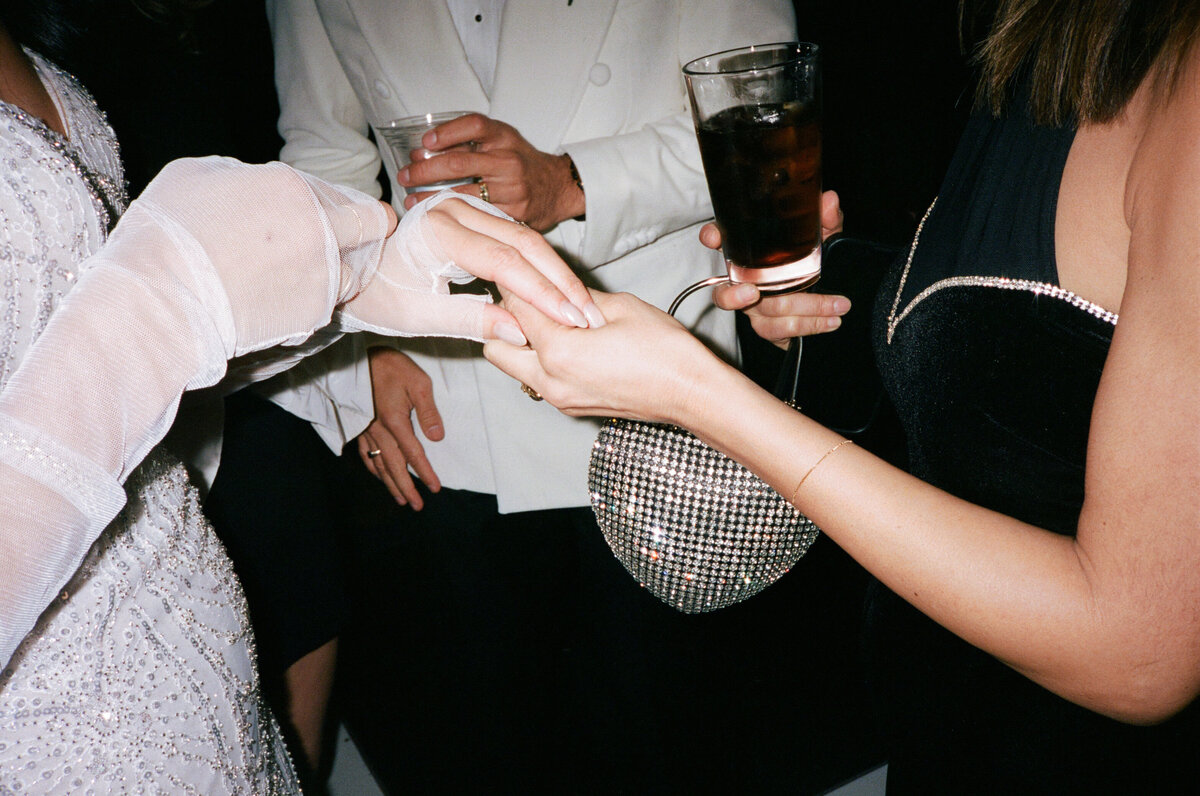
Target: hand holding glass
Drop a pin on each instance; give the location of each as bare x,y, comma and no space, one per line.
404,135
757,112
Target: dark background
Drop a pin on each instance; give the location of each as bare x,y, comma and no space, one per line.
896,97
896,94
172,90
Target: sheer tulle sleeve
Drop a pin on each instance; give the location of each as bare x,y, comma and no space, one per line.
216,261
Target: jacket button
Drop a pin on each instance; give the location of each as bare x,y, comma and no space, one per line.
382,89
599,74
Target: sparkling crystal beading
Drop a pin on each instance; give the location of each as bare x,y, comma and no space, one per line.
694,527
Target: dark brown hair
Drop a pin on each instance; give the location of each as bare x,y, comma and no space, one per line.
1083,59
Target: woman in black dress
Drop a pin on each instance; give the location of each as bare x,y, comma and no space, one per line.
1039,569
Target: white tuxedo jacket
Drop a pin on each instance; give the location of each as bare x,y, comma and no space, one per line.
598,79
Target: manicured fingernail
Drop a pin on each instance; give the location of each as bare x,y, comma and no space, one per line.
572,315
430,140
841,305
509,333
595,317
833,323
402,177
435,430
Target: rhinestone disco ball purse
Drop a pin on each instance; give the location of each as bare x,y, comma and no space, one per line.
698,530
693,526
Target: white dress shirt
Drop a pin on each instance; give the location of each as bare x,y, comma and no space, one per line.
478,26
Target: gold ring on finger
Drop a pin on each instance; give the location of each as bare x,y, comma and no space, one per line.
532,393
483,191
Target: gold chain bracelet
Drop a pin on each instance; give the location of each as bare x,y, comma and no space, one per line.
824,456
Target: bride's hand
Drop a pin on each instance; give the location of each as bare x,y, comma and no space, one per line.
450,239
780,318
642,364
518,259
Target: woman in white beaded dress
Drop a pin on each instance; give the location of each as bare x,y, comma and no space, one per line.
126,657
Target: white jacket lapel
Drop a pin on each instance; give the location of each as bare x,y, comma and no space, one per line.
546,50
416,51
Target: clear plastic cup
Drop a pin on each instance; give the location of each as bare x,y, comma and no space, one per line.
404,135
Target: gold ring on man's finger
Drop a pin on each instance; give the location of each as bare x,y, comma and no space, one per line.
483,191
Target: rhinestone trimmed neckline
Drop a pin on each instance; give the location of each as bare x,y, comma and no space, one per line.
1000,282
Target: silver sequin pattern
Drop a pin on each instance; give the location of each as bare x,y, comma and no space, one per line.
140,677
695,528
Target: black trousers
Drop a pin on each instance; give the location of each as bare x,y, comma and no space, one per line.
511,654
497,654
280,503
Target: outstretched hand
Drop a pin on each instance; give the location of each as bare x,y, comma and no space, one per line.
642,364
450,239
780,318
532,186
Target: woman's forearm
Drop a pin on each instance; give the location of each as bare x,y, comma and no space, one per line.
1023,594
1105,618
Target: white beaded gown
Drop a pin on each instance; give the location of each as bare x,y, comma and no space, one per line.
140,677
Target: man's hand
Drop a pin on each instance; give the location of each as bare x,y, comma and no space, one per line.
530,185
400,388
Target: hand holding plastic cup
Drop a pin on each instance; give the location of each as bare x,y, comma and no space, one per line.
404,135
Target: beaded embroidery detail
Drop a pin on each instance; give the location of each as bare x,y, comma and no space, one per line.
1000,282
106,187
139,677
59,196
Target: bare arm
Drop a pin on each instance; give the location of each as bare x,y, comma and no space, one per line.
1107,619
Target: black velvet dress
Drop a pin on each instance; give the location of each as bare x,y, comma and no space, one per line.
993,370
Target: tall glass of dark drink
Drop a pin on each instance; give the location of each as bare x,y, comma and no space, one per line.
758,118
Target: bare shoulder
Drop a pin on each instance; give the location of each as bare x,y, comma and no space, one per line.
1143,460
1162,196
1150,380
